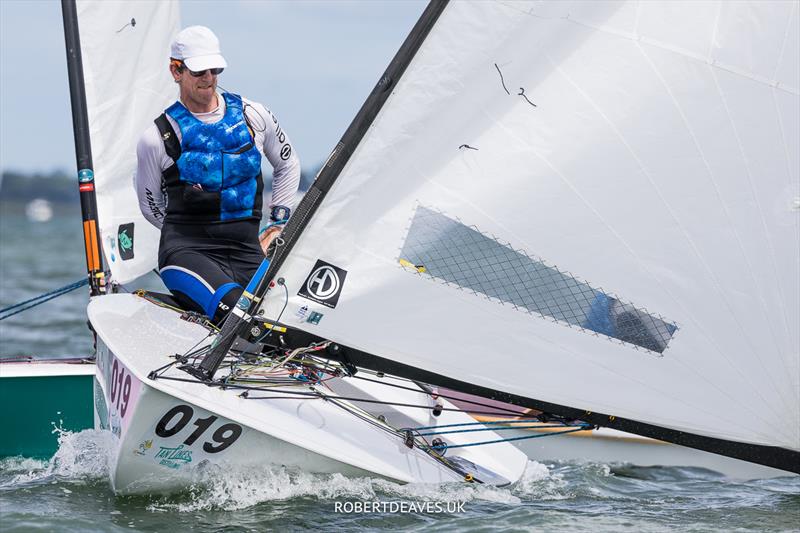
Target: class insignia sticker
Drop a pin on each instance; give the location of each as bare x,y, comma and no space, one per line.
125,241
324,284
143,447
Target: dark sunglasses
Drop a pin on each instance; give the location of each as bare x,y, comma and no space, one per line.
214,71
181,66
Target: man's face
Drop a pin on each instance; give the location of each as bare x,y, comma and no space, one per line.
199,91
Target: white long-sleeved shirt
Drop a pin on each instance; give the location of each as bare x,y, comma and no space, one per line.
270,139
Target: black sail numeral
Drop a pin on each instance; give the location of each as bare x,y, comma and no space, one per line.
222,438
202,425
185,413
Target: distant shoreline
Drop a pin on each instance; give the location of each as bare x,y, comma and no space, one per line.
56,187
61,188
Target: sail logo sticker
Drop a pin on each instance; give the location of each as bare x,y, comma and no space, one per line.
125,241
324,284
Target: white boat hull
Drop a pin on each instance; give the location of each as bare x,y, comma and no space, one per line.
168,430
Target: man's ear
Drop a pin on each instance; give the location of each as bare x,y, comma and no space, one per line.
175,70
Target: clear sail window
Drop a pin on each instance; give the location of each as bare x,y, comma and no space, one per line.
448,250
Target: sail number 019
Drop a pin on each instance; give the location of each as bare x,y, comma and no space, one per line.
120,388
179,417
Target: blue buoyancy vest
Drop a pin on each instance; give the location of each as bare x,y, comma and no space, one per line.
217,172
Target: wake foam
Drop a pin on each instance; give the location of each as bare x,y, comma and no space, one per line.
81,456
86,456
232,489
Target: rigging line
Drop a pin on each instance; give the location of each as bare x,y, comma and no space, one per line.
178,359
228,385
642,264
265,335
533,427
510,439
722,294
70,286
155,373
194,351
246,396
425,447
353,410
448,397
42,298
500,422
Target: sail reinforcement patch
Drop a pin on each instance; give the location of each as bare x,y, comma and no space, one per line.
446,249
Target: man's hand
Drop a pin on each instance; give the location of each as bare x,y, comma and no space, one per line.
266,238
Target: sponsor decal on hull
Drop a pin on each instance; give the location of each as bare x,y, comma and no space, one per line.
144,447
173,457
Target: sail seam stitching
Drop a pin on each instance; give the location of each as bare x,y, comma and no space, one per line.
729,218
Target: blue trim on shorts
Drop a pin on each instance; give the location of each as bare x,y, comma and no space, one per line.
218,295
192,287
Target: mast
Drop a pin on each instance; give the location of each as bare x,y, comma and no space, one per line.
83,150
237,321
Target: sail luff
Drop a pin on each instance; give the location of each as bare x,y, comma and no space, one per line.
120,103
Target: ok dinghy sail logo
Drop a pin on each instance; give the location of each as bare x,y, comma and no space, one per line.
324,284
125,240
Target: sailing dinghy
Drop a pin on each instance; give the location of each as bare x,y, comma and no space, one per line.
279,405
588,209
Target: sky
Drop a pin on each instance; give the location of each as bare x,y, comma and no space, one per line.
312,62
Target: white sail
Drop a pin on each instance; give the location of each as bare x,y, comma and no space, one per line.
593,204
125,46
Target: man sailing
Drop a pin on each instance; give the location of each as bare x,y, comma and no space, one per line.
199,180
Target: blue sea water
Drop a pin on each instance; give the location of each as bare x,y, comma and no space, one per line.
70,492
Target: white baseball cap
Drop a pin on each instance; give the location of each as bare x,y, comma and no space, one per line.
198,48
